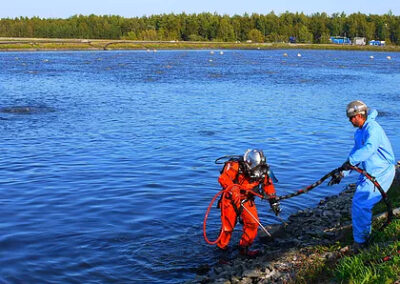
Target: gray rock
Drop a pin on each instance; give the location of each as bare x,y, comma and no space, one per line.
235,280
273,275
330,255
251,273
246,280
218,269
222,281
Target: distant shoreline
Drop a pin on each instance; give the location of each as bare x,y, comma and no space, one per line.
48,44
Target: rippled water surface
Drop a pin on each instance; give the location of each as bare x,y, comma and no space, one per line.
107,163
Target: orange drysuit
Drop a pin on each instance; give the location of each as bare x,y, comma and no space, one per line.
231,204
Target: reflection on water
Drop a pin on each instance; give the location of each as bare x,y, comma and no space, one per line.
109,176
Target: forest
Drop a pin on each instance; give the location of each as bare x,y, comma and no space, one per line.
314,28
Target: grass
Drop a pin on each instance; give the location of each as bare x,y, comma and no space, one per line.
96,44
368,266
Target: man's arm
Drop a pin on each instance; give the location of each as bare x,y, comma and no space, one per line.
370,147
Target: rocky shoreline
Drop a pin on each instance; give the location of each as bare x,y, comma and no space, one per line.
291,246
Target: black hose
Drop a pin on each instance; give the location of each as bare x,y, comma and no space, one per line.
357,169
223,159
383,193
308,188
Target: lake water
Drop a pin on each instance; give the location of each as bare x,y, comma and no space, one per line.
107,158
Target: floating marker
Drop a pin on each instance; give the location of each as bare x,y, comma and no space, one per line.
371,56
388,57
221,52
285,54
298,55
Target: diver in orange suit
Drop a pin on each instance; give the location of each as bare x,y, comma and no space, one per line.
249,172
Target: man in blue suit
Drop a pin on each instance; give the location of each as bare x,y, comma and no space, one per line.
372,152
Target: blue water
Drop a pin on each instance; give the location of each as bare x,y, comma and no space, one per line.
107,176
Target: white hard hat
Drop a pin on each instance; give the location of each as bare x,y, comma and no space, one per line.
356,107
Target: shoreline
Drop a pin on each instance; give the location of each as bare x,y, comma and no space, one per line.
48,44
290,248
313,238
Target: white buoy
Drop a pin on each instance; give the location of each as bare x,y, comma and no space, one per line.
155,50
285,54
45,60
210,60
298,55
389,57
371,57
221,52
212,52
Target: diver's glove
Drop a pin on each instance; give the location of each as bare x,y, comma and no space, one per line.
275,206
336,177
346,166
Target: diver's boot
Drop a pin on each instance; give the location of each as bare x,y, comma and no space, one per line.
244,251
222,254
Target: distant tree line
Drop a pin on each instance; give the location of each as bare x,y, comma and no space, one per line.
316,28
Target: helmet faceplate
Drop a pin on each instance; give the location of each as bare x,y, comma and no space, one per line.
254,158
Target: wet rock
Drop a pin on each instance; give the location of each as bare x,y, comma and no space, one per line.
222,281
218,269
329,235
26,109
202,269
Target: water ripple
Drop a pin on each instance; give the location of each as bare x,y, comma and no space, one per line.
108,172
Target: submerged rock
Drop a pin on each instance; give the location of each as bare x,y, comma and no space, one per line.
26,109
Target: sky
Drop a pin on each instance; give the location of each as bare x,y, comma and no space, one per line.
136,8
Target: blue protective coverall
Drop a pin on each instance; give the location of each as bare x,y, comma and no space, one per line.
372,152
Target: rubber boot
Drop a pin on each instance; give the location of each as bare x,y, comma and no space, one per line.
244,251
358,247
223,255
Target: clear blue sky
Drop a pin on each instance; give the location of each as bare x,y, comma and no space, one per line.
132,8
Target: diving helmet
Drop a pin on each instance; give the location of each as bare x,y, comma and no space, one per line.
254,160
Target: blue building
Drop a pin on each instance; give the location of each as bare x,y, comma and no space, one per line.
377,42
340,40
